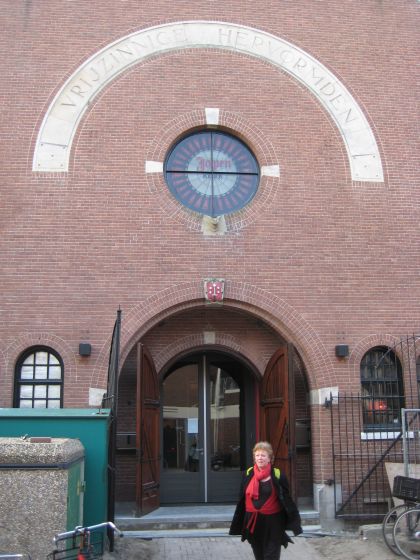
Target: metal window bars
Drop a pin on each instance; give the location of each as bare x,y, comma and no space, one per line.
369,431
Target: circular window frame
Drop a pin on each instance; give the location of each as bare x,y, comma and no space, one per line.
212,172
235,125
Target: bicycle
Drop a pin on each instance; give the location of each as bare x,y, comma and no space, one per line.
401,525
83,543
407,533
404,488
388,525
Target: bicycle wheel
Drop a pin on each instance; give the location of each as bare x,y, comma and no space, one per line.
407,533
388,526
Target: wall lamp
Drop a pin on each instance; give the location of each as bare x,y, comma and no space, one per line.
85,349
342,350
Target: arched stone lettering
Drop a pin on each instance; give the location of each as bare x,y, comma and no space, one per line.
55,137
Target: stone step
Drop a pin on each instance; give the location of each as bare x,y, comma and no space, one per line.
199,533
191,518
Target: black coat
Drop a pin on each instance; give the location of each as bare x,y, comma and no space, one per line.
290,520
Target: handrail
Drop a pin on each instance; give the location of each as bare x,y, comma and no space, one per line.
83,530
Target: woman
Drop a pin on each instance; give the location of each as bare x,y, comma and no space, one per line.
265,508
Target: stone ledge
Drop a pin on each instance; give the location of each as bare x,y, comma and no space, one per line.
21,451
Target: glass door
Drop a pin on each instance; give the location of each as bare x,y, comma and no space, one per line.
203,425
224,441
182,440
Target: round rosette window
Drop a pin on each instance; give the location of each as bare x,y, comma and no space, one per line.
212,173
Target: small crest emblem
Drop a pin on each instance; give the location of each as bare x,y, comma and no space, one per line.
214,289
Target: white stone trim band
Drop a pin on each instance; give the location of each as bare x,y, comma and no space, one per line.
55,137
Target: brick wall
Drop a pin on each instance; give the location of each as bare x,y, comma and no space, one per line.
317,258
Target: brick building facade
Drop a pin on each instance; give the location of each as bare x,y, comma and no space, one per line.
94,97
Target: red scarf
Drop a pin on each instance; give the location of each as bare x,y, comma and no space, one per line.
271,506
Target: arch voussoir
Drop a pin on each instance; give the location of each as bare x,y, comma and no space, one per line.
238,295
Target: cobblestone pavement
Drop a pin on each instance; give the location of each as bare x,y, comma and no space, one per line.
201,548
231,548
221,548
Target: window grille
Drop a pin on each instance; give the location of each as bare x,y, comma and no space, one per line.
382,389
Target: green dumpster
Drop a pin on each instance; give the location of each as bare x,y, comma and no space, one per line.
90,426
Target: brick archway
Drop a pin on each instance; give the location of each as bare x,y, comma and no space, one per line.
367,343
400,347
196,342
259,303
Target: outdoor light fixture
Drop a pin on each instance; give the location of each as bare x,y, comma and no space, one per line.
342,350
85,349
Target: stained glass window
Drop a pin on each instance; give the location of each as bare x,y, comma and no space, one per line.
212,173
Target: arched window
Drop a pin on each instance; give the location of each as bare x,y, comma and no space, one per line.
382,389
39,379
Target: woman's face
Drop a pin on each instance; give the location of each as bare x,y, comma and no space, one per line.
262,458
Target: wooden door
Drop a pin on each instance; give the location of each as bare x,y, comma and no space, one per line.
147,433
277,422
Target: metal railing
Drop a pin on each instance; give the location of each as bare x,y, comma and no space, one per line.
377,433
360,457
83,542
360,482
411,441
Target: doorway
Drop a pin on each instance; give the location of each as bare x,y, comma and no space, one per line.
195,399
208,428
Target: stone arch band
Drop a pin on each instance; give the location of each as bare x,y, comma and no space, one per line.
55,137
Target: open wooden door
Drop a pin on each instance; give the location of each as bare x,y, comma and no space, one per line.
147,433
277,412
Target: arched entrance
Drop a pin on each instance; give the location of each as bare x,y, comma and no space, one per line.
197,392
208,428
